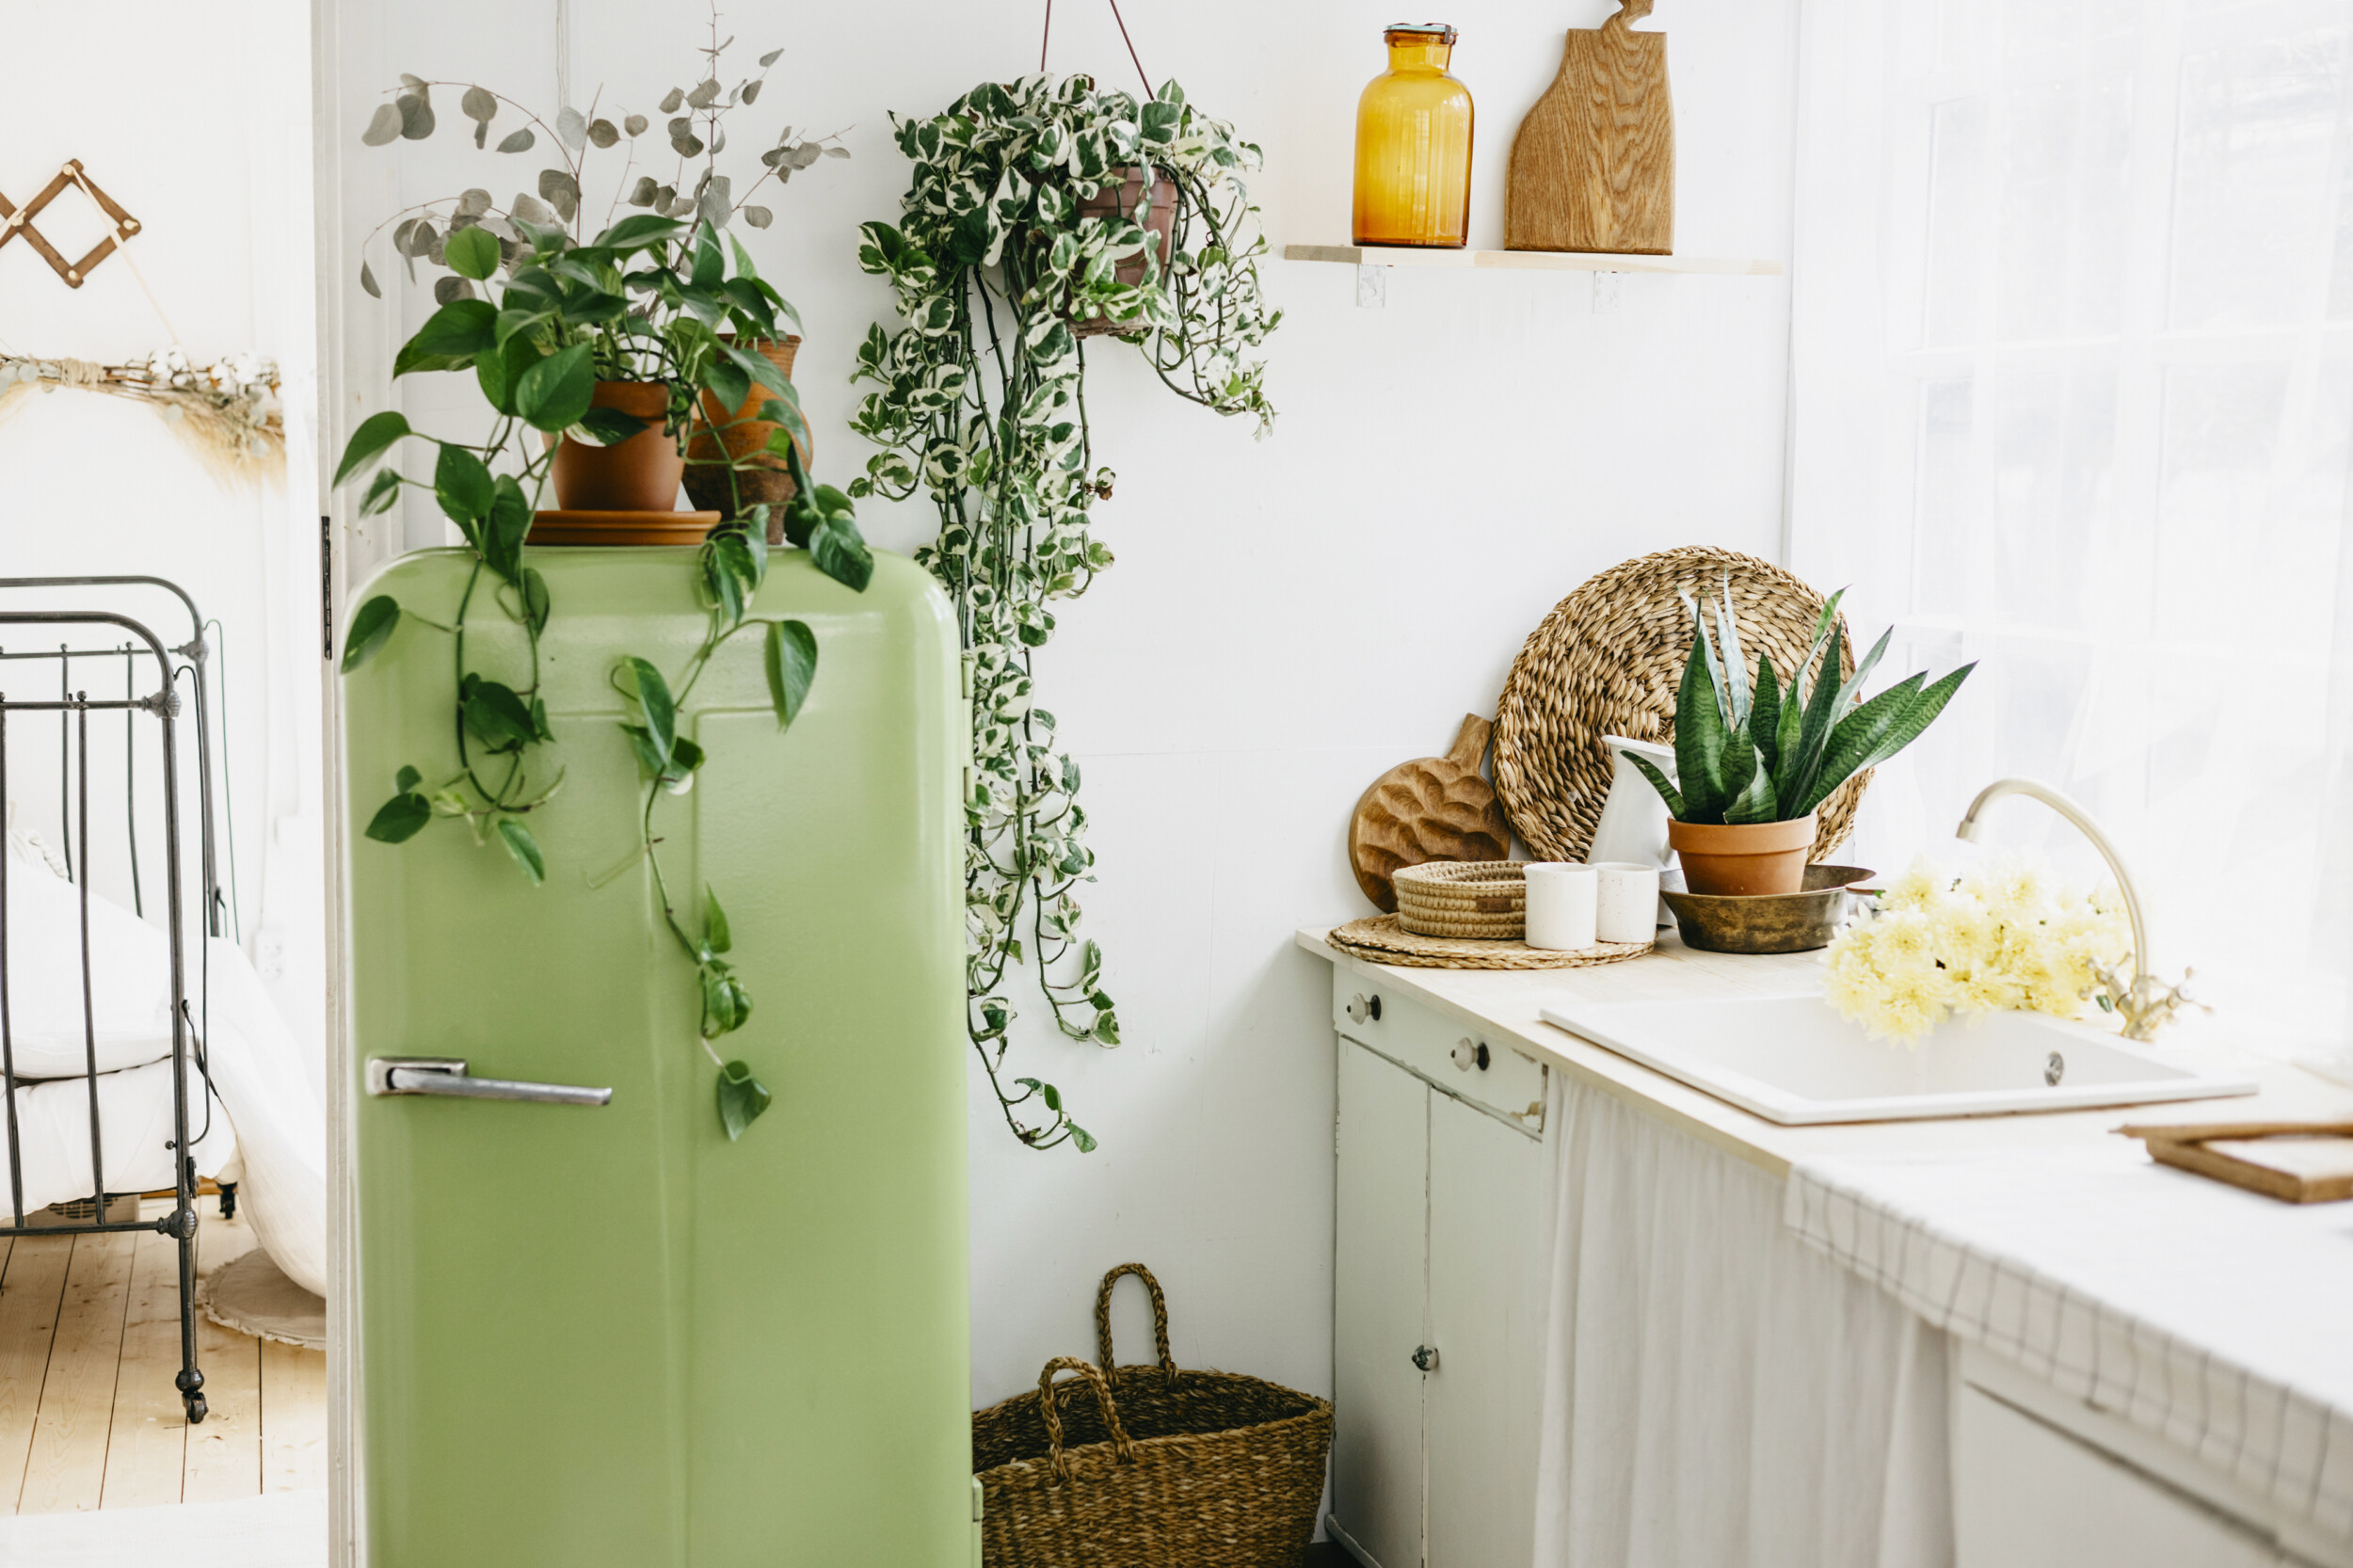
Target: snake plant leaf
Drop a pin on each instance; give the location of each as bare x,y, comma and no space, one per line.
1916,719
524,848
1857,735
1741,767
1732,669
1757,803
1700,735
1667,791
1764,715
1814,731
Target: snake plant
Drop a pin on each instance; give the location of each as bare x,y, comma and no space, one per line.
1773,753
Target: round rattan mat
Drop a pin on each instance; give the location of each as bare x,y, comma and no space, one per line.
1384,942
1607,661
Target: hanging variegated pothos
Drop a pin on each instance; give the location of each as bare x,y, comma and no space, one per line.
1011,236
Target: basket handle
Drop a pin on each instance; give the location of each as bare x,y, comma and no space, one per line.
1103,1319
1120,1444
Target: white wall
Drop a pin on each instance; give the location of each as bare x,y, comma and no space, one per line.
195,120
1286,618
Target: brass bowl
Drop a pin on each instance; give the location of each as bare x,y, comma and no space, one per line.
1775,922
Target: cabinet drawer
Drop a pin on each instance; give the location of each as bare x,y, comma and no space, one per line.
1454,1057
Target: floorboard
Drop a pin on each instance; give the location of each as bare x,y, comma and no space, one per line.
31,1283
146,1451
225,1449
66,1471
294,1417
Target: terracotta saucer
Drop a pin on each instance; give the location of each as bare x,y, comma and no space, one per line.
562,528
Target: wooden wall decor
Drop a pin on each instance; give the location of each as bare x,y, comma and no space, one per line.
1431,809
1593,165
18,220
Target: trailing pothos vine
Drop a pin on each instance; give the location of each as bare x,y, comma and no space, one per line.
652,295
1002,247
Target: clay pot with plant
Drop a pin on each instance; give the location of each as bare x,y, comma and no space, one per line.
730,468
1753,764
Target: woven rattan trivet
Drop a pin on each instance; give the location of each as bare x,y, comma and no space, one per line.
1384,942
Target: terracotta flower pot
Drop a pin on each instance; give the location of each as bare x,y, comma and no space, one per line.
721,435
1743,859
1123,199
641,474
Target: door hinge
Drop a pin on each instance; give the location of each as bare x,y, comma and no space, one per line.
327,588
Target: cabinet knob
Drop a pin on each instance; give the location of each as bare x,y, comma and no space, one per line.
1361,1007
1469,1053
1426,1357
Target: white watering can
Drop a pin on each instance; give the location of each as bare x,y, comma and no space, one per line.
1633,823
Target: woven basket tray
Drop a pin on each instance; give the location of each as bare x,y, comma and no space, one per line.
1384,942
1463,898
1607,660
1148,1465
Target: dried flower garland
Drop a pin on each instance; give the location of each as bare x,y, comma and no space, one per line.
227,413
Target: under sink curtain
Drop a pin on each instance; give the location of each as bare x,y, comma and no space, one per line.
1715,1390
2073,396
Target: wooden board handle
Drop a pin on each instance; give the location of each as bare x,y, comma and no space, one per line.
1470,742
1628,12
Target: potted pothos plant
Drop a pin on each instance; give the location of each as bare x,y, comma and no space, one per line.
726,464
665,290
1754,764
1027,222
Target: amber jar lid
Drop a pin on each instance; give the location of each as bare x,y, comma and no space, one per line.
1438,30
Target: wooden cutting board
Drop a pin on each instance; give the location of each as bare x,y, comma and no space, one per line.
1593,167
2296,1162
1429,809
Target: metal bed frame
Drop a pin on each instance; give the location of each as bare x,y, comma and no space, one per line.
73,708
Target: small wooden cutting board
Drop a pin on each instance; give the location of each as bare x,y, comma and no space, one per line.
1429,809
2297,1162
1593,165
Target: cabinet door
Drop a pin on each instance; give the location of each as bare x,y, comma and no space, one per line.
2027,1495
1484,1305
1380,1306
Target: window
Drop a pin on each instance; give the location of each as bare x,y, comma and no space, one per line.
2073,397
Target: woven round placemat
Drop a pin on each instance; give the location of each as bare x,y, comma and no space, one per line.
1607,661
1384,942
1463,898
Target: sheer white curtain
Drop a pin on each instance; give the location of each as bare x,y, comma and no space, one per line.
2073,362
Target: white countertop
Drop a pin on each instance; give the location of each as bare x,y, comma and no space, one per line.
1509,1000
2218,1318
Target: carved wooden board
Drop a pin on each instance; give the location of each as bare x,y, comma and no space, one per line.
1593,165
1431,809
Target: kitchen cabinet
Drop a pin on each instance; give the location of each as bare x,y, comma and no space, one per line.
1436,1335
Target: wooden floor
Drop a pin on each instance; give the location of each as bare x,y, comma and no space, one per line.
90,1341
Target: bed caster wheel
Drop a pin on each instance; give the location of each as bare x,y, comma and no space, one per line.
198,1409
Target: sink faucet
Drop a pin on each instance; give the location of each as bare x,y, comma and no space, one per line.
2144,1001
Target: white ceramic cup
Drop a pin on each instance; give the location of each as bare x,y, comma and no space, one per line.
1626,902
1562,899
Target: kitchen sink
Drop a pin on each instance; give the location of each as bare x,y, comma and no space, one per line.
1792,1060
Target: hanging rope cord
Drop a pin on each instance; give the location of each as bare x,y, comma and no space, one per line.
1046,37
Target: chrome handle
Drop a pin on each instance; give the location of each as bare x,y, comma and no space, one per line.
446,1075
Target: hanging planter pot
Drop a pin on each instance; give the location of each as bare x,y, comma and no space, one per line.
723,437
640,474
1120,197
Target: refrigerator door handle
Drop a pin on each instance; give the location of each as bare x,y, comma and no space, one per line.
446,1075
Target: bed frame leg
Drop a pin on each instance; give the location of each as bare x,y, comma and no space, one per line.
181,1224
228,1200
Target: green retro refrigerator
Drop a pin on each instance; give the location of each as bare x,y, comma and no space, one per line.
601,1336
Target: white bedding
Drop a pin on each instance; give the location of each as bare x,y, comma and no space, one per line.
273,1119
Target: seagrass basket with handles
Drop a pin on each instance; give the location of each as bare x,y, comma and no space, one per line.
1141,1466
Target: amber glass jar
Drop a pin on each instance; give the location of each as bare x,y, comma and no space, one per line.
1414,145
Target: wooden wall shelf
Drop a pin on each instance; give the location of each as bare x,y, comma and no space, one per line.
1528,260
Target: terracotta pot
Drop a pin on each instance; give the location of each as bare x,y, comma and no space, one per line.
762,479
1744,860
641,474
1122,199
